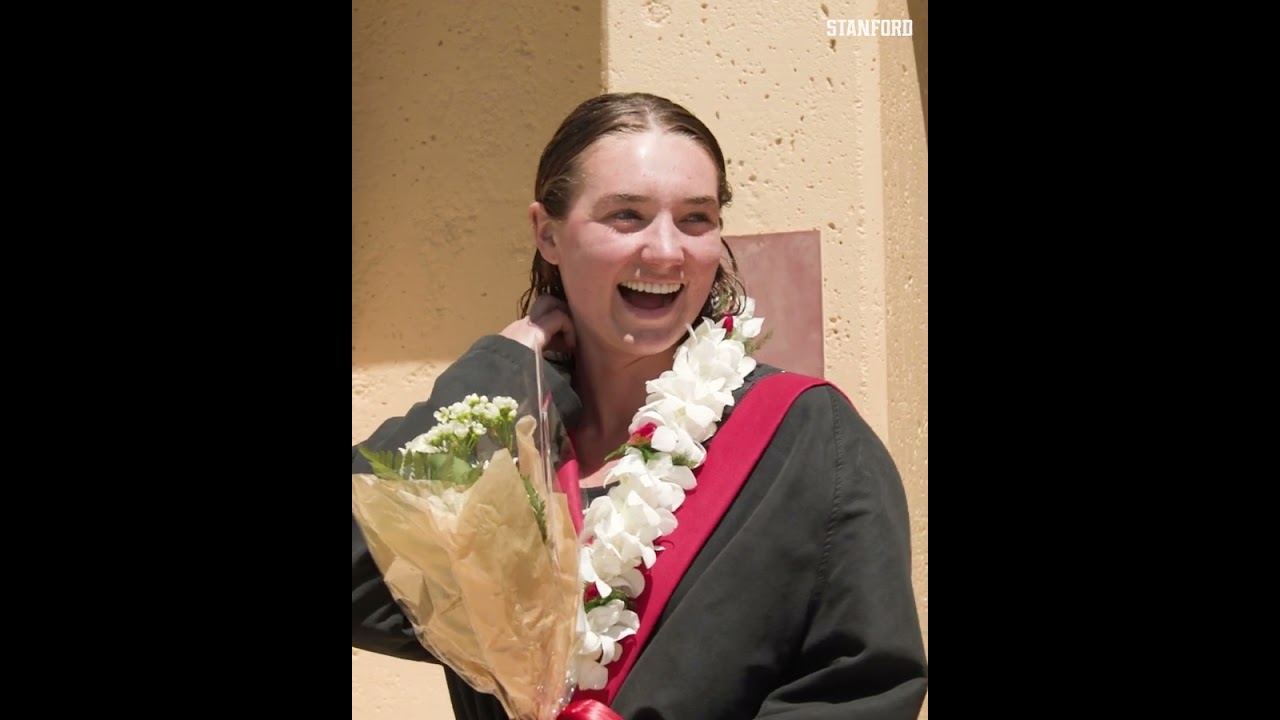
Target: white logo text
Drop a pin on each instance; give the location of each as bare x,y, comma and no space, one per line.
869,28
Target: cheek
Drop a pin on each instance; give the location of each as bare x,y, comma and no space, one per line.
595,264
591,268
705,257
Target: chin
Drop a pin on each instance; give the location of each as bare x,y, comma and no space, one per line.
652,341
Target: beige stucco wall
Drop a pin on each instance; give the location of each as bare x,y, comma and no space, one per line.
447,125
446,129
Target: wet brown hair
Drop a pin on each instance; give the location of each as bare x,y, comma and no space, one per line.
559,173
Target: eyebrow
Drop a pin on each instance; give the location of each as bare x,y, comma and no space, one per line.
630,198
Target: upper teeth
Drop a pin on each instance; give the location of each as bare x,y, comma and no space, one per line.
655,288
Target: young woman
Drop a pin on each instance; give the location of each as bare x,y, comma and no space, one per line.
799,602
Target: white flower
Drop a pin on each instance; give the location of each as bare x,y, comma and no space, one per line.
746,324
630,581
600,632
591,674
602,565
616,550
647,524
726,358
659,483
601,519
610,623
587,572
424,443
670,435
688,401
486,413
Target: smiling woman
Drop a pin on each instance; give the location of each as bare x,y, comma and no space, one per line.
631,284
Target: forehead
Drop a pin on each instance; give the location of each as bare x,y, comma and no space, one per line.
650,163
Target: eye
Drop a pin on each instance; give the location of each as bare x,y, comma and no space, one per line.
699,223
625,220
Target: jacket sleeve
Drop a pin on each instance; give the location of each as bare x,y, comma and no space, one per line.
494,365
862,655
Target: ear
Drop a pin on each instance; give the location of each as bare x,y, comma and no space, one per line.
544,228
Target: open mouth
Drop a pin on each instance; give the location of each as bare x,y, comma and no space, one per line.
650,296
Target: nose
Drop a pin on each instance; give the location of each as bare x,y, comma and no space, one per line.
662,247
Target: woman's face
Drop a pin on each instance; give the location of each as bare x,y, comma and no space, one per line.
639,248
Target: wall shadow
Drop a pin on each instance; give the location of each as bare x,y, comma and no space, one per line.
918,11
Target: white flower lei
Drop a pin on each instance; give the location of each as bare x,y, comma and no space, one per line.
649,482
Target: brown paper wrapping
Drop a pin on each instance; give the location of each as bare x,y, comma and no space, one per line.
484,592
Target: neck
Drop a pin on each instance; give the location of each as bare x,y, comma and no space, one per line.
612,389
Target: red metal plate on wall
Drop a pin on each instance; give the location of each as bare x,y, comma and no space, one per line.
783,272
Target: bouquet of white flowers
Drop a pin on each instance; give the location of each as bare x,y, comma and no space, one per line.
476,543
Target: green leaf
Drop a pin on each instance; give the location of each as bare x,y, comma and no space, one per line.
382,462
596,602
754,344
415,466
449,468
539,508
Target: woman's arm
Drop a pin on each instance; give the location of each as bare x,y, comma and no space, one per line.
862,655
377,623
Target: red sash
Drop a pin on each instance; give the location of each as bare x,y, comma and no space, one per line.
741,441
